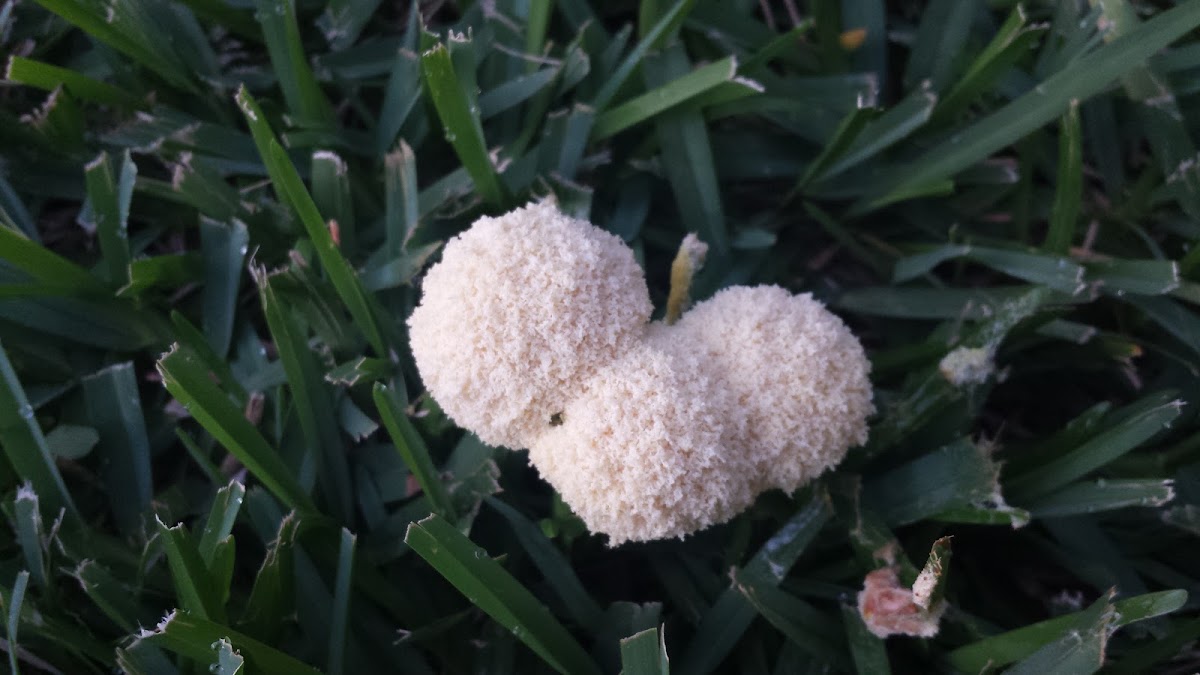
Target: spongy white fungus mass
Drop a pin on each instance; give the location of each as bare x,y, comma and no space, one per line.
533,332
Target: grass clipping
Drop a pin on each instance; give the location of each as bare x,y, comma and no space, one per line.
533,333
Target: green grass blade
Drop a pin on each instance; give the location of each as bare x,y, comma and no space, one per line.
191,337
114,409
193,584
1144,658
412,449
1081,79
289,185
885,130
802,624
1069,188
229,662
645,653
314,405
273,595
344,20
49,77
942,34
16,600
460,120
1000,650
108,214
400,95
1079,651
31,535
1012,41
666,26
224,247
341,604
401,210
331,193
282,35
23,443
1102,495
115,598
687,156
193,637
487,585
1143,277
955,476
1059,273
108,29
1093,454
188,381
723,625
839,141
552,564
664,97
221,518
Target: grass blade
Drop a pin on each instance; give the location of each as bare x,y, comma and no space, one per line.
110,207
193,584
287,182
282,35
412,449
1012,41
885,130
16,600
1081,79
49,77
401,210
314,405
341,604
1000,650
942,34
221,517
31,535
487,585
955,476
645,653
193,637
460,119
1078,651
114,409
687,156
666,26
23,443
1102,495
1093,454
1069,188
224,247
723,625
189,382
399,97
552,564
664,97
331,193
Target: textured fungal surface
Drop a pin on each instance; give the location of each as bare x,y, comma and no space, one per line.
520,311
793,372
639,454
532,333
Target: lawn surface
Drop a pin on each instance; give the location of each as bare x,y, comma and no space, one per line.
215,216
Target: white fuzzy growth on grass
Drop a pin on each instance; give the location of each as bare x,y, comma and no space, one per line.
519,313
967,366
532,333
796,379
639,454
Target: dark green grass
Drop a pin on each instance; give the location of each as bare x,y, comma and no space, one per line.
214,216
